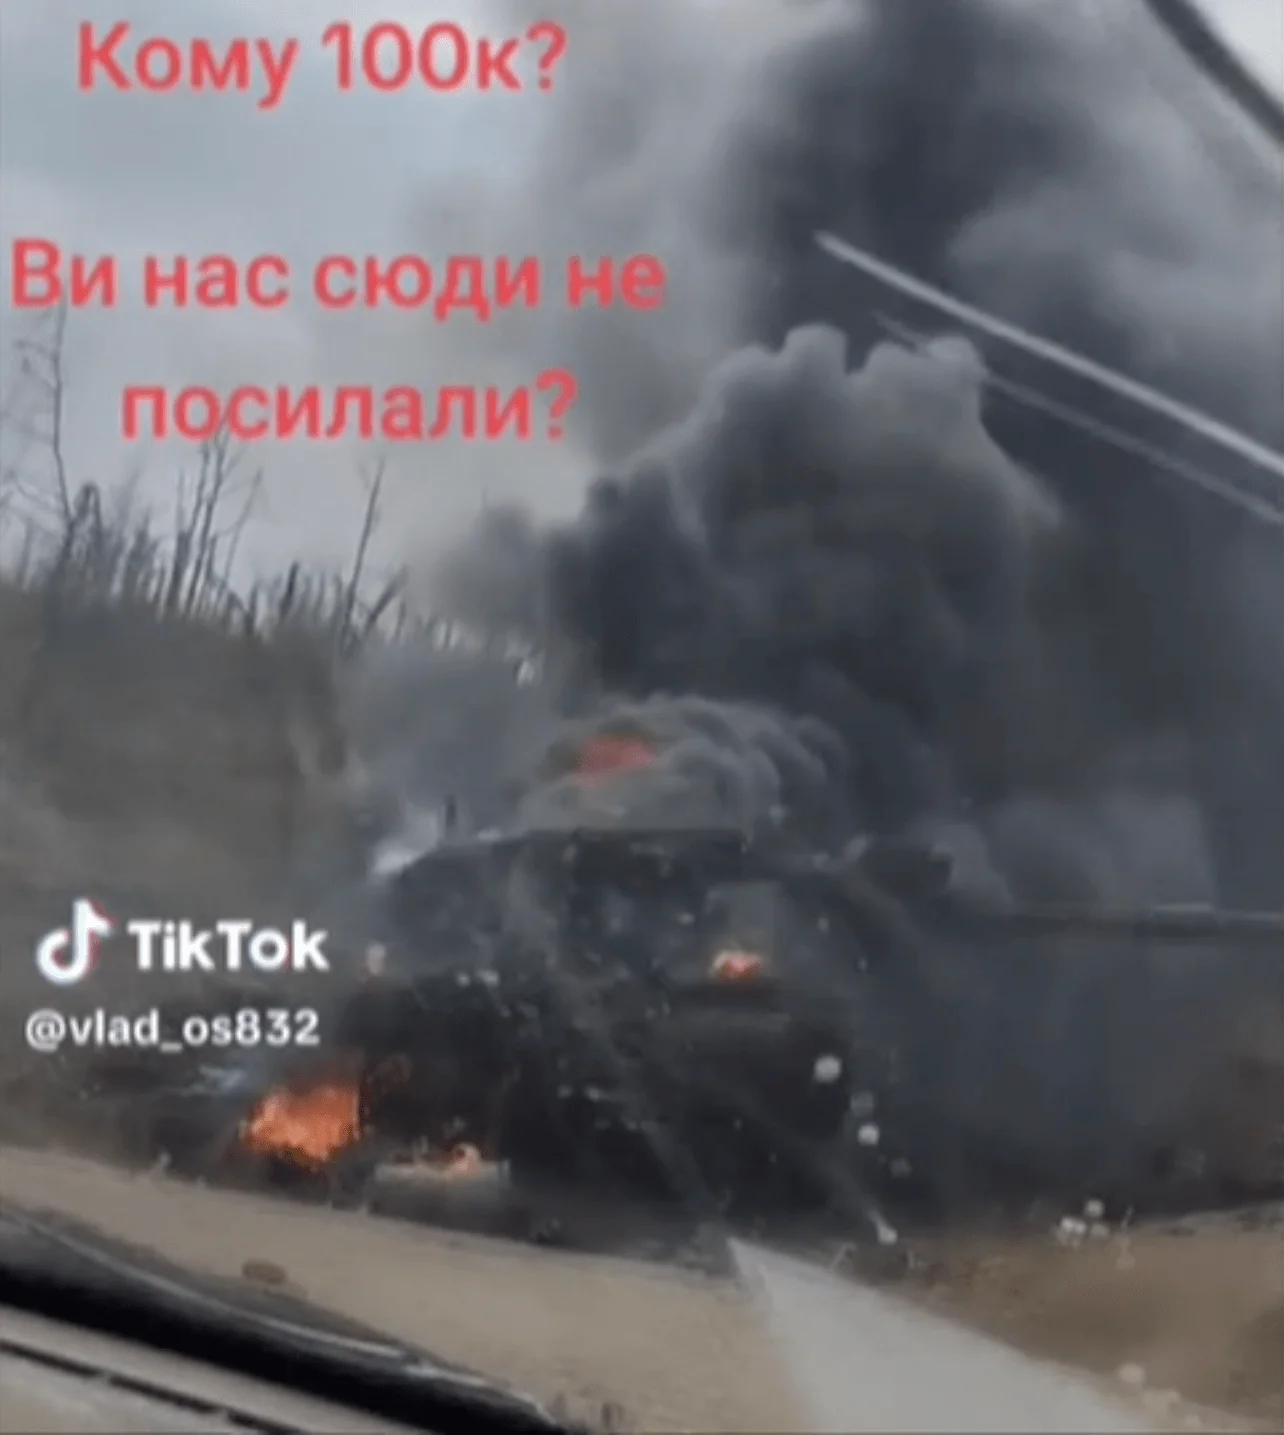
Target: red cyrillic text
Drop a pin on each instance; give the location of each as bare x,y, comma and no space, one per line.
132,402
294,412
217,281
456,397
513,411
464,288
388,57
198,414
247,414
160,66
41,280
517,282
467,284
642,282
459,284
402,414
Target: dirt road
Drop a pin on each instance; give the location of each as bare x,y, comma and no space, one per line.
1202,1314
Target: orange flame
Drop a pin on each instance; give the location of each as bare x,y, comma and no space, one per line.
736,966
308,1127
605,757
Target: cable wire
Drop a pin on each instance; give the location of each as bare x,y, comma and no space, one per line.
1186,25
1075,418
1267,460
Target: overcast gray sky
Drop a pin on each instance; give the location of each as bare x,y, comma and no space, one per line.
1256,27
360,173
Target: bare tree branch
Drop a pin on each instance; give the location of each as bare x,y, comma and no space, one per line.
42,363
373,484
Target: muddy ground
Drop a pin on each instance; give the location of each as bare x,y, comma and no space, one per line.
1192,1312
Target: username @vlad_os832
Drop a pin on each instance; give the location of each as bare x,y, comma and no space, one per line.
49,1031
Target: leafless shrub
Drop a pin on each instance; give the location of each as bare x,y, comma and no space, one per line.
151,700
65,540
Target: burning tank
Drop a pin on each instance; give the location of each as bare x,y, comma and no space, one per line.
688,1019
689,1016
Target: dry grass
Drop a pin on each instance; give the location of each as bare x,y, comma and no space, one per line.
1198,1307
161,755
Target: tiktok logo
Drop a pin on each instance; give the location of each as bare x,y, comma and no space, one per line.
67,955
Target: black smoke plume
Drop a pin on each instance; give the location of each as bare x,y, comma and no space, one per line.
855,589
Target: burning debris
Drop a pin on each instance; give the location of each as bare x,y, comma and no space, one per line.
310,1126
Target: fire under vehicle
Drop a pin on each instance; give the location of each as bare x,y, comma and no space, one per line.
609,1010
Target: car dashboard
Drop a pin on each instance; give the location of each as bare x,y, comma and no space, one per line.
57,1379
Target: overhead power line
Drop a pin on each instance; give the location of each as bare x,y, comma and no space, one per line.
1118,438
1269,463
1186,24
